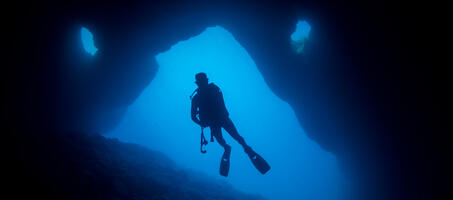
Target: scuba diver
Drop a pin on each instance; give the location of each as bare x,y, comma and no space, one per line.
209,105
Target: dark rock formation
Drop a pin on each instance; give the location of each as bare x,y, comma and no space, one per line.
89,166
363,90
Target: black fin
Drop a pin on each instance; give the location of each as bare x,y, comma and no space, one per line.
225,163
259,163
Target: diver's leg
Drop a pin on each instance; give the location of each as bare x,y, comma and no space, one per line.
217,132
231,129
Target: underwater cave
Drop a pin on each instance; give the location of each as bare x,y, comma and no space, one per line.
334,96
160,119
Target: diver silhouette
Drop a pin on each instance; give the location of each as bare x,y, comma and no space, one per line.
210,107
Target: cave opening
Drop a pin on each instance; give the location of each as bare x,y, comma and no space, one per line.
160,119
300,35
88,41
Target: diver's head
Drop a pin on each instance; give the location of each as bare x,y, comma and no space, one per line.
201,79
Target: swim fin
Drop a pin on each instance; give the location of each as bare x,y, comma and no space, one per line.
259,163
225,163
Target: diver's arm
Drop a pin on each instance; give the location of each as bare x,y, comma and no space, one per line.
194,111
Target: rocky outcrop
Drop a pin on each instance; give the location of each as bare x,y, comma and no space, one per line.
88,166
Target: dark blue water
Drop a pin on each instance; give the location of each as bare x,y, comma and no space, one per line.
160,119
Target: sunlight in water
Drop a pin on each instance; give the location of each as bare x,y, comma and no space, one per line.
160,120
88,41
300,35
